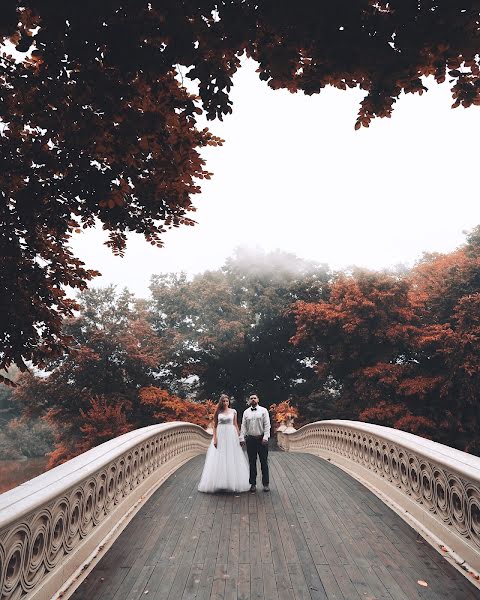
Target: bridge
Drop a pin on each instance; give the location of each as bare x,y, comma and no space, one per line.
355,511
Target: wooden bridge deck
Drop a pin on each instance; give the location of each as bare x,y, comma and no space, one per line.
317,534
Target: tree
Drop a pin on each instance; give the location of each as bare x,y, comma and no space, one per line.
25,438
229,330
115,353
98,126
106,385
402,351
366,321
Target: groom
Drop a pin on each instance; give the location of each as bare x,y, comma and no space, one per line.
255,432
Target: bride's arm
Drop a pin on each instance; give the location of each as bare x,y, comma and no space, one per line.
215,435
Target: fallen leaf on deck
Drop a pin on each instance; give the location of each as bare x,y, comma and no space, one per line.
422,583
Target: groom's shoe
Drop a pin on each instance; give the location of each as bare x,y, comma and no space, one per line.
266,488
253,488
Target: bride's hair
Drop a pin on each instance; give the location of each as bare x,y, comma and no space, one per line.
220,407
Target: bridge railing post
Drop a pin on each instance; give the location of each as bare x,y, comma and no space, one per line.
283,434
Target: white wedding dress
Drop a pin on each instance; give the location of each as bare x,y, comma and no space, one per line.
226,466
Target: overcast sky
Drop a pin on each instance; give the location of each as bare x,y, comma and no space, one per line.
294,175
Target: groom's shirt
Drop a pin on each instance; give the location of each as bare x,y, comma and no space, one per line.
256,422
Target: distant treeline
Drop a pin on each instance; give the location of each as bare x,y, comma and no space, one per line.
399,348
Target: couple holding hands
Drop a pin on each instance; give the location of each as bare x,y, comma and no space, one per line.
226,468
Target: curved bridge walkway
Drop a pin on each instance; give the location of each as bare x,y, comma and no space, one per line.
317,534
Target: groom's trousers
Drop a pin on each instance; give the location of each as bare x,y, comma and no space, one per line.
256,448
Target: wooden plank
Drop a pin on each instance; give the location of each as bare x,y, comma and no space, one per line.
283,524
284,586
233,554
299,585
364,588
208,573
293,509
219,580
305,519
394,589
329,583
344,582
269,582
138,588
206,530
193,582
322,520
244,547
128,583
231,582
256,575
243,590
179,583
264,538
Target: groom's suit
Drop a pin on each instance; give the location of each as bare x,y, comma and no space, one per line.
255,430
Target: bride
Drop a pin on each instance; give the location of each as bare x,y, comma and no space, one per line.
226,467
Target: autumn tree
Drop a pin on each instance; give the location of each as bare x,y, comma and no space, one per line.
103,420
114,354
446,291
402,351
366,321
97,125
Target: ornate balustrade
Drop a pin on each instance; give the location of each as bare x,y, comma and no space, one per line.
434,487
53,526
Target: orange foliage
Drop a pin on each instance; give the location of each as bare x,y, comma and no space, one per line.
102,421
384,413
404,351
283,411
210,407
167,407
398,416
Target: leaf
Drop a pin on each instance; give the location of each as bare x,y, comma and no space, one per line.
422,583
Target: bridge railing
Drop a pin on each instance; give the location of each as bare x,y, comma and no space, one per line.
434,487
54,525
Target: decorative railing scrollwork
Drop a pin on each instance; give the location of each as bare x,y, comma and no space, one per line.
48,518
443,482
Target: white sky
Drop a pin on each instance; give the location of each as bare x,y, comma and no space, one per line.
294,175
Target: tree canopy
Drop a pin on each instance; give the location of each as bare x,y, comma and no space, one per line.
96,124
400,349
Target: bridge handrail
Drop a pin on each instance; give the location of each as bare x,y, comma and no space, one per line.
437,485
67,512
